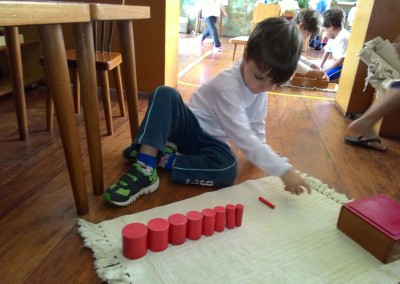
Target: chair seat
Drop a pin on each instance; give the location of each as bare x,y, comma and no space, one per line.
104,60
238,40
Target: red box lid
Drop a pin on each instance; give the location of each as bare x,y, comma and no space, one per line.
380,211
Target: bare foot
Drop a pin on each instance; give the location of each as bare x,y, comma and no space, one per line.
363,126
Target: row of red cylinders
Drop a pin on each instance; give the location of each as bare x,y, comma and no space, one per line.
159,232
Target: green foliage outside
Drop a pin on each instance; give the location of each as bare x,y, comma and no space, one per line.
303,3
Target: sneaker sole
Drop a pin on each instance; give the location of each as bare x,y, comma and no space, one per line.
151,188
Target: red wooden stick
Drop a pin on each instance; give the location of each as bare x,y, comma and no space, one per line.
269,204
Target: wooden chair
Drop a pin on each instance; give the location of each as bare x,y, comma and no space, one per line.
242,40
105,61
49,16
264,11
260,12
124,15
199,21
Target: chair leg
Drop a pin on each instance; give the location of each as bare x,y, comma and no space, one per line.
234,51
15,63
76,90
105,93
120,92
49,111
197,28
49,104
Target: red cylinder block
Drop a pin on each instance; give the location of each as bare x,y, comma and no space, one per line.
219,218
158,234
208,226
194,225
134,240
177,229
230,216
239,215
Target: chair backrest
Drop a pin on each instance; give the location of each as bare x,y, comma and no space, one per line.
124,15
106,33
264,11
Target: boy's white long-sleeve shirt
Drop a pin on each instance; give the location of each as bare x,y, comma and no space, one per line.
226,109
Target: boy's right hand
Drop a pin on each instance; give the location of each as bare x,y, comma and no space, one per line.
294,183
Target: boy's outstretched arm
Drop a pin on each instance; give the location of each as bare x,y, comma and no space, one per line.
294,183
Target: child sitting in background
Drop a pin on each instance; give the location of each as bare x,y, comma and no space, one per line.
309,22
337,45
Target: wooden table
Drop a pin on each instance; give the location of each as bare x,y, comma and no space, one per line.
49,16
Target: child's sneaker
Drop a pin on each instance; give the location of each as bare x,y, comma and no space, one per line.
138,180
130,153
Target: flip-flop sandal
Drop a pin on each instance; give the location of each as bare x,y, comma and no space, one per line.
366,143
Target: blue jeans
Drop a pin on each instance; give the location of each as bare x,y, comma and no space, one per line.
202,159
211,30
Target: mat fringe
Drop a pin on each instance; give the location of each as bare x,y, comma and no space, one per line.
324,189
109,269
106,264
312,88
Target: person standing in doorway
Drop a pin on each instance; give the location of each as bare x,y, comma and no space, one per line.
211,10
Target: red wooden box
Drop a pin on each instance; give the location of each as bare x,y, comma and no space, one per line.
374,223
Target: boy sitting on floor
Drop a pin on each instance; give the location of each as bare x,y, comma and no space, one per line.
308,21
233,105
337,44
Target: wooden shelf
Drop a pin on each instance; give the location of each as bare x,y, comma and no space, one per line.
33,72
24,44
6,84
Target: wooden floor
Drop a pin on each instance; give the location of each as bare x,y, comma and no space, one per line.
39,238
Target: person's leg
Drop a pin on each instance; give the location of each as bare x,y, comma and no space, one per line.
165,118
311,42
387,103
206,31
318,43
169,119
334,73
212,26
201,159
204,161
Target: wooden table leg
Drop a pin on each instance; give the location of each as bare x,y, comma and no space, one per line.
15,66
52,42
87,74
129,73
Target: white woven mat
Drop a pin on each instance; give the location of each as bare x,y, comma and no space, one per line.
297,242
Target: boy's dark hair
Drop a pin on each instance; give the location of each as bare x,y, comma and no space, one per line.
275,45
311,20
334,17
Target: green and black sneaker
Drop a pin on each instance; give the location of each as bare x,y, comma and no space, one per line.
138,180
